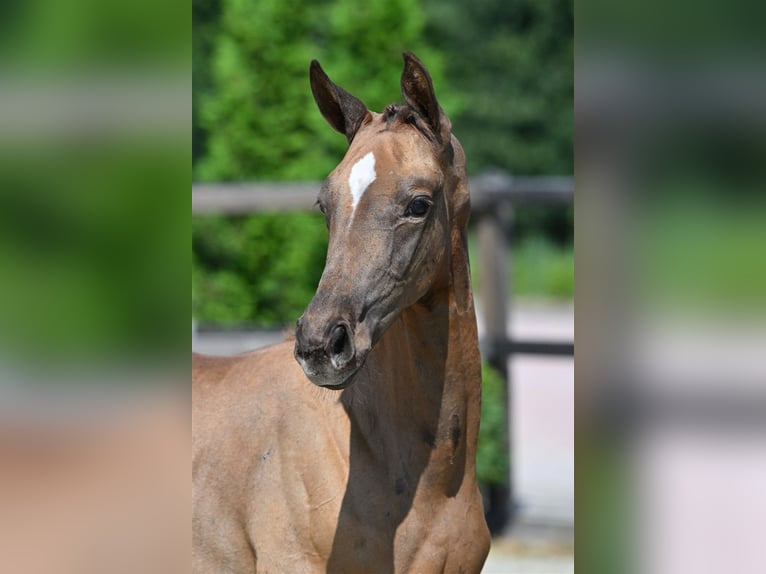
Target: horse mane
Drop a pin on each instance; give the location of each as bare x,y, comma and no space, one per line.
395,114
404,114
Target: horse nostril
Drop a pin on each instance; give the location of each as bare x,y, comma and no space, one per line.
307,346
340,347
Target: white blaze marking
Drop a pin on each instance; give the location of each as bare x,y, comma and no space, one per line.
362,175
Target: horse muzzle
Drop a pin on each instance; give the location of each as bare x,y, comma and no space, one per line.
327,351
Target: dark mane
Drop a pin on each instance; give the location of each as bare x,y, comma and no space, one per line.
402,113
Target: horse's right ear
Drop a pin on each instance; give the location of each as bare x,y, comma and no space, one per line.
344,112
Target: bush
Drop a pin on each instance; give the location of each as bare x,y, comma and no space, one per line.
540,268
259,270
492,454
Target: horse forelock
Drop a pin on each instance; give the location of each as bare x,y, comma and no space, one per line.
394,114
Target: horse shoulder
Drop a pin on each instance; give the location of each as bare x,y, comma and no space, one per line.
240,401
267,466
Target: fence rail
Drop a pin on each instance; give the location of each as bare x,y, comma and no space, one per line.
486,191
494,196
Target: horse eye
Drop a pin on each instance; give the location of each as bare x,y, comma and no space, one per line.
418,207
324,212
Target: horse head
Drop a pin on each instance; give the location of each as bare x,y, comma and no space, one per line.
391,207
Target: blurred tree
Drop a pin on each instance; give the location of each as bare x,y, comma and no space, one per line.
87,35
256,108
512,63
492,454
255,113
257,120
205,19
261,269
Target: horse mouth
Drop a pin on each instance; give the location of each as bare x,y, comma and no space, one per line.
323,373
340,386
332,381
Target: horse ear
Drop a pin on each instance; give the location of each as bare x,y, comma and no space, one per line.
418,92
344,112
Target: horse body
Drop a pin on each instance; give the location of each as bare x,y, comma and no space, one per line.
372,467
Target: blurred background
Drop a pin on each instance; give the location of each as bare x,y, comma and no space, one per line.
95,103
671,292
504,74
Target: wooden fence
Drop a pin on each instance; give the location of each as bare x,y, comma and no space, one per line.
493,198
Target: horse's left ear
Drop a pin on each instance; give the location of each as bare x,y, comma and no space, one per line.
418,92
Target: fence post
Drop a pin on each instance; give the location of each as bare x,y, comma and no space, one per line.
494,254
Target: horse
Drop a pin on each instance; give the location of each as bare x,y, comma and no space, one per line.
352,449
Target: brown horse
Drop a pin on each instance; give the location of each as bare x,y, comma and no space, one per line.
291,474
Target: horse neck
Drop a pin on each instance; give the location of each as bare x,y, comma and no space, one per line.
421,386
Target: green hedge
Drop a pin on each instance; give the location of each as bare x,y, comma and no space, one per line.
492,454
259,270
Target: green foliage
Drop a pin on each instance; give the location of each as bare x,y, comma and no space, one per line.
513,63
50,35
364,57
81,230
205,15
492,452
540,268
256,113
261,270
702,253
537,268
256,109
603,476
256,119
